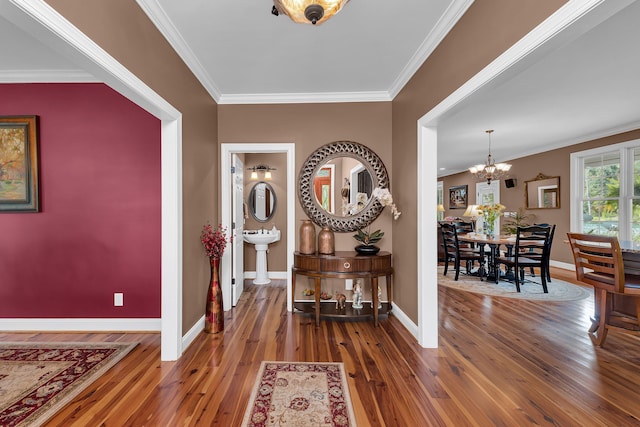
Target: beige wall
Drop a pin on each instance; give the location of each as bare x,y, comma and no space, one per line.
310,126
122,29
487,29
550,163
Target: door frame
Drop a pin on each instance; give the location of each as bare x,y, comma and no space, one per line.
226,150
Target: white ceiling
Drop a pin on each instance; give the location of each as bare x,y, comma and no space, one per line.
584,83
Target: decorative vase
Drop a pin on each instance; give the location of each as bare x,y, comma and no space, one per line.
326,241
367,249
489,228
214,318
307,237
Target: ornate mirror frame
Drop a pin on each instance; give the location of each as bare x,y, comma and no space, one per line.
543,192
316,160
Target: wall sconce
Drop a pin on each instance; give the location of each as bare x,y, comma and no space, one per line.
265,169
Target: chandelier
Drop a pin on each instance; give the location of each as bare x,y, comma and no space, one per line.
490,170
308,11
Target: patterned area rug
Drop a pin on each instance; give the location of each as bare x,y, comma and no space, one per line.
532,288
38,379
300,394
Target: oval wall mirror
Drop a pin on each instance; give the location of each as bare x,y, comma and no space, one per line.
335,186
262,201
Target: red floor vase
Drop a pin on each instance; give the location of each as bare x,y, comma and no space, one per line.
214,319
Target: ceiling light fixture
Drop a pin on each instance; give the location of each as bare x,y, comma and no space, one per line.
490,170
308,11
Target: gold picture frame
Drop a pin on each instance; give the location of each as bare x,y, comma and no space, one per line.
19,164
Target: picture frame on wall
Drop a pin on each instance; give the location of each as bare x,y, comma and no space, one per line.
19,164
458,197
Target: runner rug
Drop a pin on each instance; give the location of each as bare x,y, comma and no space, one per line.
531,289
38,379
300,394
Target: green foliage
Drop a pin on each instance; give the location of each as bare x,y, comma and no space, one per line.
368,238
521,219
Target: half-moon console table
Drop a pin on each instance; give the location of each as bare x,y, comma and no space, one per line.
343,265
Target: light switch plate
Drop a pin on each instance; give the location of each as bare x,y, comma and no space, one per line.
118,299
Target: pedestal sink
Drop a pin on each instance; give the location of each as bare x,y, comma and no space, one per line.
261,239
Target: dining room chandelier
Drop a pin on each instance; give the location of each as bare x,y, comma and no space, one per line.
490,170
308,11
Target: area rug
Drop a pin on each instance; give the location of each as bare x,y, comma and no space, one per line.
300,394
38,379
531,289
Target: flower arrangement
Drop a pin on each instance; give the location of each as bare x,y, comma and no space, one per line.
214,240
384,197
490,213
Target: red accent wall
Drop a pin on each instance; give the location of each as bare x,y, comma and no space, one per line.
98,229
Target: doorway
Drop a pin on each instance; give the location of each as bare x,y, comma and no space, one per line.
227,152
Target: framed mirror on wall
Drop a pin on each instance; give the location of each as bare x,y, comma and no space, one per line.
262,201
542,192
336,183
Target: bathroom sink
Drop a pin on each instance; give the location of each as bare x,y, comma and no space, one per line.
261,237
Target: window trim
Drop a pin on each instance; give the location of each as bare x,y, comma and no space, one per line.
625,149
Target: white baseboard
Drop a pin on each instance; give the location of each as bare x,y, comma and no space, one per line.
191,335
563,265
271,274
405,320
80,325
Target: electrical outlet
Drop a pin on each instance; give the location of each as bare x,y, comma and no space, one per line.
348,284
118,299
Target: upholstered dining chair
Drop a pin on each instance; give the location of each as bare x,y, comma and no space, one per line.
599,263
454,252
531,250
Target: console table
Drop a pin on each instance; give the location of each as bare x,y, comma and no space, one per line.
342,265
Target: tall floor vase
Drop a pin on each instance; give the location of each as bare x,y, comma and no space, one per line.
214,318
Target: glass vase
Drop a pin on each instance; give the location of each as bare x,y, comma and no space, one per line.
214,313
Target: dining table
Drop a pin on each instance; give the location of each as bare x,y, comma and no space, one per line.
481,241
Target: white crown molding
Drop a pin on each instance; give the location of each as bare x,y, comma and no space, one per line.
446,22
75,325
159,18
46,76
305,98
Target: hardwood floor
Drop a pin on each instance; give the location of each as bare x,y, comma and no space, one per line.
501,362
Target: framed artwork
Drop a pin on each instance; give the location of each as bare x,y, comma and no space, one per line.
19,164
458,197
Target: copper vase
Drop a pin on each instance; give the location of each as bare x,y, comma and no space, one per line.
326,241
214,313
307,237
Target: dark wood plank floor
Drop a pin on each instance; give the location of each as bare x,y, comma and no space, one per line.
501,362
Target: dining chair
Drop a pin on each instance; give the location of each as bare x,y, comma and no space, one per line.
549,244
531,250
454,252
599,263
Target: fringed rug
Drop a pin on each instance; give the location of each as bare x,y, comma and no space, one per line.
300,394
38,379
531,289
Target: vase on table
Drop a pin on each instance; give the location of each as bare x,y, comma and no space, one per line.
307,237
326,241
214,313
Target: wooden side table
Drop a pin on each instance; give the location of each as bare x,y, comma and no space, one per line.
343,265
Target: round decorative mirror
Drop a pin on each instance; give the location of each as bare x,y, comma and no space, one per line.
335,186
262,201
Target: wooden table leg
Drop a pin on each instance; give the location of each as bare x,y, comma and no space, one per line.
293,291
389,292
317,295
374,299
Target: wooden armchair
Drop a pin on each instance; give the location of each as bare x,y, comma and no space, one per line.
599,263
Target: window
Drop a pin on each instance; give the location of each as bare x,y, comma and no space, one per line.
605,191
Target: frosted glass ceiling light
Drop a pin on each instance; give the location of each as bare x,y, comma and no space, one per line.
308,11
